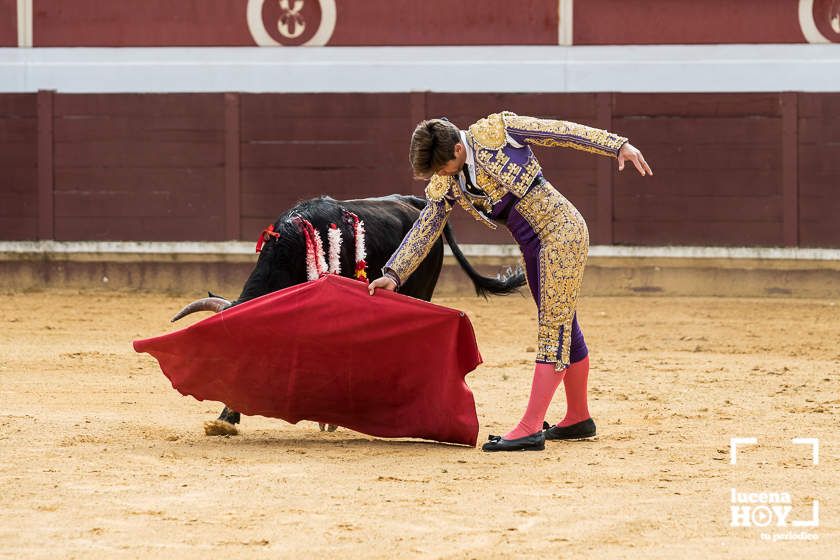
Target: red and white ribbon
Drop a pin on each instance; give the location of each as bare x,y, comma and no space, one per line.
359,235
334,240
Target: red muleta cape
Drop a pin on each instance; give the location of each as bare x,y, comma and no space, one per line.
386,365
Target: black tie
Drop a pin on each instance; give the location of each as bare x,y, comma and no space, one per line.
466,170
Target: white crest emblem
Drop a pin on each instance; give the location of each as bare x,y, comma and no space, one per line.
292,23
808,22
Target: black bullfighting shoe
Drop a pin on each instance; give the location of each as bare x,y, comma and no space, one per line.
534,442
581,430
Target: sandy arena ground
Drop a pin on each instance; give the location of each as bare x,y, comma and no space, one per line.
101,458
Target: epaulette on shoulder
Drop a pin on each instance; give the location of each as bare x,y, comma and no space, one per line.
438,187
489,132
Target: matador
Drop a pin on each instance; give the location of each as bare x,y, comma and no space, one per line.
490,171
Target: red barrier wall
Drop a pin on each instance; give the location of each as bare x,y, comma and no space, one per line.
136,167
92,23
819,169
730,169
357,22
718,169
640,22
8,23
58,23
18,166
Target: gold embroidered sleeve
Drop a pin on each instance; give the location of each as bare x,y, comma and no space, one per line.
419,240
563,134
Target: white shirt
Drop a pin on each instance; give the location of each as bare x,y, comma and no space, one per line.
470,163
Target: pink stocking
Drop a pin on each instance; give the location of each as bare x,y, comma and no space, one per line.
575,381
545,383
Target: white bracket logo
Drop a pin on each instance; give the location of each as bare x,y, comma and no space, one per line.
736,441
733,447
761,509
815,447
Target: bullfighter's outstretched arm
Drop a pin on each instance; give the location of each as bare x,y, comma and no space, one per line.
563,134
426,229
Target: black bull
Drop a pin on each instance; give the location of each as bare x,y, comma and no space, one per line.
282,261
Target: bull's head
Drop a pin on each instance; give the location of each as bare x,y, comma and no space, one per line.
280,265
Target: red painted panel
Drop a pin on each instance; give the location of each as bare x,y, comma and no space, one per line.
717,166
387,130
358,22
296,147
699,182
17,129
819,105
818,172
123,157
818,209
700,130
676,208
697,104
58,23
18,154
18,204
119,205
820,129
465,108
689,158
161,157
321,154
8,23
153,130
702,233
204,105
18,166
628,22
131,153
308,182
148,129
18,228
20,181
206,180
818,184
821,159
201,228
446,22
819,234
256,106
407,22
18,105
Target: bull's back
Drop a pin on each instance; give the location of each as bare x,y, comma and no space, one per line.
395,214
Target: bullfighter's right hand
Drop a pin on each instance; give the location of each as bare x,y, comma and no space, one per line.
383,282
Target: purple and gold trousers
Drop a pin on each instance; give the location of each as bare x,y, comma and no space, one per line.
554,241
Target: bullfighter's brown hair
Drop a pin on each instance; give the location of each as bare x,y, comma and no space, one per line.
432,145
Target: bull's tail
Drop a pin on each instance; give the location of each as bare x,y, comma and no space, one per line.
503,284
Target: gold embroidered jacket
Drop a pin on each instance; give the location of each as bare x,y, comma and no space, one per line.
504,163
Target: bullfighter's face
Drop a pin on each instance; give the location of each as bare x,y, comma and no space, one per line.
454,165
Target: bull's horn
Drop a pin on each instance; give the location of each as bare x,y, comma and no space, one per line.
214,304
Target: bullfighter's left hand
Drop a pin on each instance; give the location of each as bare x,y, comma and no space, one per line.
382,282
629,152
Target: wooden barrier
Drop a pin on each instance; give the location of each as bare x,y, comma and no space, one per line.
730,169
